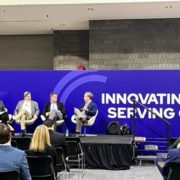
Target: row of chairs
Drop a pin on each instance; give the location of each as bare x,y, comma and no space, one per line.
76,157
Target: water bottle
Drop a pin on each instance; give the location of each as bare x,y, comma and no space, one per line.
67,132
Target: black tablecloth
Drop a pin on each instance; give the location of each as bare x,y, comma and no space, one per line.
108,156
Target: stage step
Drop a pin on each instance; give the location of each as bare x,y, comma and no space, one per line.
151,147
145,158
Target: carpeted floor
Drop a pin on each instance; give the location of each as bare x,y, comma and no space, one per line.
149,172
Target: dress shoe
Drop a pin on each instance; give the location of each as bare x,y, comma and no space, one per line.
84,121
23,133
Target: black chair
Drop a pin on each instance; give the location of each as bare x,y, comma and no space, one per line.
13,143
61,161
75,157
9,175
23,143
41,167
174,173
79,149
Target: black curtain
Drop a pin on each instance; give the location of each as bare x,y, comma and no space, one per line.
104,156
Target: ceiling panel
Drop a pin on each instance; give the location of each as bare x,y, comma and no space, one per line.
41,19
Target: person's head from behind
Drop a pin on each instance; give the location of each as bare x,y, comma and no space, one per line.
88,96
53,97
40,139
49,124
5,134
27,96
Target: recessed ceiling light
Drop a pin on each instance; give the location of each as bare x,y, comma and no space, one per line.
168,7
62,24
2,10
90,9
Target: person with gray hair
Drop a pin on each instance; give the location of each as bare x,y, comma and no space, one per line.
87,110
26,110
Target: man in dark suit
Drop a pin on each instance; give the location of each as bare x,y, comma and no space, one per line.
12,158
164,164
87,110
54,110
56,139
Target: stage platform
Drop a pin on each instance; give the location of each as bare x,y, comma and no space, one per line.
113,152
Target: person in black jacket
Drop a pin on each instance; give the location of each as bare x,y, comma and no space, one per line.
54,110
56,139
40,144
4,117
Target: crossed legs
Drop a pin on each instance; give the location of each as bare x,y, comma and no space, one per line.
55,114
80,117
23,115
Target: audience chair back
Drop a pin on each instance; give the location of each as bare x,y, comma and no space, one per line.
174,173
23,143
9,175
13,143
72,148
41,167
77,140
61,163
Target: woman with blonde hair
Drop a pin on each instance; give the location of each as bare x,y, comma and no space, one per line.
40,144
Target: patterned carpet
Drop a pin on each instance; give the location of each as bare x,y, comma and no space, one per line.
149,172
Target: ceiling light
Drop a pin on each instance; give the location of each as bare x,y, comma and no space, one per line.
2,10
168,7
90,9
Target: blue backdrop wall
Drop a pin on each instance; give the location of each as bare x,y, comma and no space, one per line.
113,93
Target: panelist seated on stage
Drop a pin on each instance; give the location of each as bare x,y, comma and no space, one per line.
54,110
164,164
26,110
87,110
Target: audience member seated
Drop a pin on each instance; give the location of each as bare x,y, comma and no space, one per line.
40,144
164,164
56,139
54,110
12,158
26,110
4,117
87,110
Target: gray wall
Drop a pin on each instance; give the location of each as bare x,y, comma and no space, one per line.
134,44
71,48
26,52
109,44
